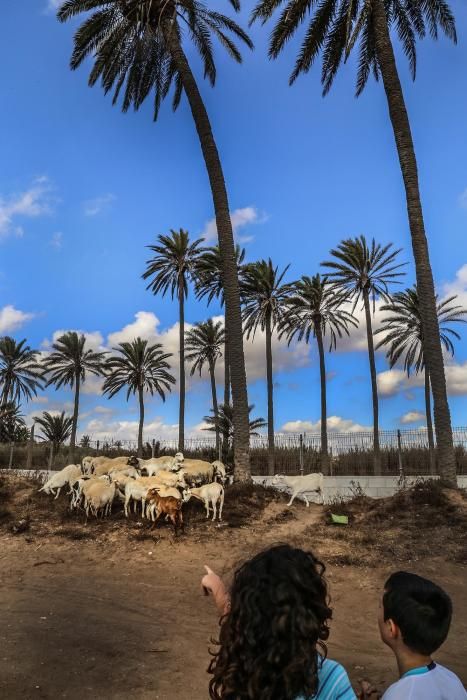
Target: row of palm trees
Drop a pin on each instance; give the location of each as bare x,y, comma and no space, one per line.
319,307
138,50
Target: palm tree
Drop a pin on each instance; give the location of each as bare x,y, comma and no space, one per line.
403,336
12,424
56,429
140,42
315,310
140,368
204,345
68,366
20,371
363,273
85,441
334,28
264,303
208,283
224,423
172,268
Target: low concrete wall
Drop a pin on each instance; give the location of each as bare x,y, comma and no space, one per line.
373,486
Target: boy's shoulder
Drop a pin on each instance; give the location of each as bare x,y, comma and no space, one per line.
437,683
333,681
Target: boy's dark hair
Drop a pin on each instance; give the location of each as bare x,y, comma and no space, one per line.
268,641
421,610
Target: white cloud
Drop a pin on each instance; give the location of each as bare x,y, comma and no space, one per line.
53,5
335,424
239,218
100,429
11,319
413,417
94,339
392,381
40,399
57,240
92,207
32,203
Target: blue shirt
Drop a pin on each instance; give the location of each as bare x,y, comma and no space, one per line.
333,682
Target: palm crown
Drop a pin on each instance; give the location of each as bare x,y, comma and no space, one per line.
173,264
263,295
224,422
20,371
363,270
403,329
55,429
336,26
131,41
138,366
315,304
204,343
208,281
70,361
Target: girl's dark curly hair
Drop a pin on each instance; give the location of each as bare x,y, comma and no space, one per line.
278,617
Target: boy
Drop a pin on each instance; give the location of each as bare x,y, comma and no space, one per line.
414,621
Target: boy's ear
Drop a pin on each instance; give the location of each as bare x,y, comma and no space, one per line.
392,629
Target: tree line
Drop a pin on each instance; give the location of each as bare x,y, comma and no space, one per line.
318,309
138,50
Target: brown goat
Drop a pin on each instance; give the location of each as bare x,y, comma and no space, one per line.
166,505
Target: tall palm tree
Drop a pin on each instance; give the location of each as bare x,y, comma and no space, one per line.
404,339
224,423
68,365
85,441
140,42
209,284
364,273
171,268
204,343
56,429
334,28
315,311
264,304
20,371
138,367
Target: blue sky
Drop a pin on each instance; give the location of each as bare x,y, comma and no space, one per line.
84,188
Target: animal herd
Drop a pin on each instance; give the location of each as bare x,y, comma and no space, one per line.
160,485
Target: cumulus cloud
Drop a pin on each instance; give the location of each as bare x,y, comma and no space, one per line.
392,381
240,218
463,199
40,399
53,5
335,424
12,319
413,417
93,207
57,240
31,203
100,429
94,339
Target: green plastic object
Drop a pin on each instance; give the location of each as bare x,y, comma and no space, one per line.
340,519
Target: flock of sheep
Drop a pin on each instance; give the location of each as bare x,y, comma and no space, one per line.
160,484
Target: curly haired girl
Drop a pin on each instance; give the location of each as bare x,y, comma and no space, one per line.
273,630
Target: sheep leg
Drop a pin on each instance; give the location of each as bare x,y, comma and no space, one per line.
206,503
58,492
143,507
306,500
214,509
126,506
221,505
294,495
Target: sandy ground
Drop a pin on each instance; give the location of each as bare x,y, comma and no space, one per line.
120,614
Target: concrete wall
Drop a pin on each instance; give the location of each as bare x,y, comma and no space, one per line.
373,486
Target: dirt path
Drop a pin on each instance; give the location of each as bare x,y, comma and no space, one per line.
115,617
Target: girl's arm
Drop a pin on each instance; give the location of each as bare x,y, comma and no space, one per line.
212,583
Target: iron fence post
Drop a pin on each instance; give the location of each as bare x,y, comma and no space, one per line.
10,459
153,448
30,448
301,454
399,453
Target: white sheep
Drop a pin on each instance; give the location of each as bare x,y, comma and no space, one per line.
86,463
99,496
197,472
219,471
209,494
80,486
156,464
57,481
299,485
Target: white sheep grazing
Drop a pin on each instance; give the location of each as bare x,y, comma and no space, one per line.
130,472
155,464
57,481
136,490
219,471
86,463
104,465
197,472
299,485
80,486
209,494
99,496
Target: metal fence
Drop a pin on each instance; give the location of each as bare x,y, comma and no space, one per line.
350,453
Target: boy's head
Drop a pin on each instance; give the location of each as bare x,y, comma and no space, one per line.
415,612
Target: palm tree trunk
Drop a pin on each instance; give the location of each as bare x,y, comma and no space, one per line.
324,413
181,339
141,421
225,433
425,285
74,425
429,423
374,386
270,385
6,390
215,406
233,317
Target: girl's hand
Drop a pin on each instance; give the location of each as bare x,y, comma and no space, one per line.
368,692
212,583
